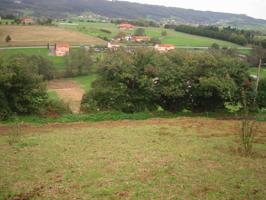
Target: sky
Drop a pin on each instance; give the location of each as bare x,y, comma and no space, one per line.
253,8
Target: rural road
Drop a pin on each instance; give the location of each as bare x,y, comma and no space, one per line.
178,47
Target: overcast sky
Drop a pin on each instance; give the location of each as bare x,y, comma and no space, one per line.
254,8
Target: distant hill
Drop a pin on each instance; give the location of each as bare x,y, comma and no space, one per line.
121,9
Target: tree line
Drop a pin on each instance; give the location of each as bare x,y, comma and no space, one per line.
143,80
241,37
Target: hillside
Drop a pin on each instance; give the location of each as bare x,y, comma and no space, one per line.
118,9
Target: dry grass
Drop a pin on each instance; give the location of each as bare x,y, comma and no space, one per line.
155,159
69,91
41,35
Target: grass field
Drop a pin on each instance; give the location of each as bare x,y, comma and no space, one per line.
41,35
253,71
173,37
59,62
84,81
184,158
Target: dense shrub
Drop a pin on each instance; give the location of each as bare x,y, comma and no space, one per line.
54,108
78,63
143,80
22,90
261,100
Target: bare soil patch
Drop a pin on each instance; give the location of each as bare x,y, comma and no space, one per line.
69,91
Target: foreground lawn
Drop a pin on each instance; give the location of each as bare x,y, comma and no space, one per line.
185,158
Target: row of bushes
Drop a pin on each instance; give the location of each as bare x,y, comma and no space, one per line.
144,80
230,34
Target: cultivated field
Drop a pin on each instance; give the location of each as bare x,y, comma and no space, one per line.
183,158
173,37
41,35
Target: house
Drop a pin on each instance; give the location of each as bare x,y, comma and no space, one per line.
141,38
126,26
164,47
27,20
113,46
61,49
123,37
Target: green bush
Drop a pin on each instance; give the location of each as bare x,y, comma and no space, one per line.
54,108
22,90
261,100
143,80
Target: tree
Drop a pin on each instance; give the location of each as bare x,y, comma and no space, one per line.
79,62
215,46
164,33
155,41
22,90
8,38
143,80
140,32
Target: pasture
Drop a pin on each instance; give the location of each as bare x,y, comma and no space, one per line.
173,37
253,71
41,35
59,62
182,158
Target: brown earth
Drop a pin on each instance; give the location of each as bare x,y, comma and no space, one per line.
41,35
69,91
219,128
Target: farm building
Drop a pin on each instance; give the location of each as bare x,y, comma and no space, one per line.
113,46
164,47
126,26
59,50
27,20
141,38
62,49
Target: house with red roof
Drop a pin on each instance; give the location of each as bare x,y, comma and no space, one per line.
141,38
126,26
61,49
27,20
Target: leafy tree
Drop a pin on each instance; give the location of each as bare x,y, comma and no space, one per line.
44,66
124,83
261,99
155,40
164,33
79,62
140,32
22,90
215,46
143,80
8,38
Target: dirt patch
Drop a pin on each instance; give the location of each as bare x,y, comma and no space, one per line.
69,91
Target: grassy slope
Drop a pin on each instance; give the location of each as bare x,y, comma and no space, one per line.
184,160
173,37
